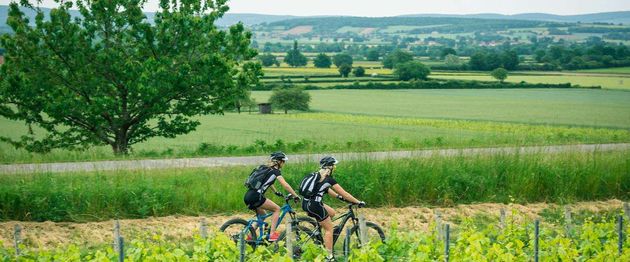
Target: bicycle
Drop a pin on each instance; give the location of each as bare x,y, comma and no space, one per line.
259,234
304,234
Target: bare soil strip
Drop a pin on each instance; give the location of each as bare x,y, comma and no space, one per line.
50,235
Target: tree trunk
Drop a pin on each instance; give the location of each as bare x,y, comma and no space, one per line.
286,111
121,145
120,149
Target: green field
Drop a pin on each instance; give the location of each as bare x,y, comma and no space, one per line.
608,82
367,120
595,77
476,238
613,70
601,108
276,71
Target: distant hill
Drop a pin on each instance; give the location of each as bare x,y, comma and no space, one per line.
417,25
609,17
252,19
255,19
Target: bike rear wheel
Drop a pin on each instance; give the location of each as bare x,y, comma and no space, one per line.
303,236
233,228
304,222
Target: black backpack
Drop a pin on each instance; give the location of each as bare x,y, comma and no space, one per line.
258,176
308,185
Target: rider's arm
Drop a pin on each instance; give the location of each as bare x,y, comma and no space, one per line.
286,185
339,190
332,193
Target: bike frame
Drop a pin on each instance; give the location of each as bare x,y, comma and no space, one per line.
339,227
260,221
345,218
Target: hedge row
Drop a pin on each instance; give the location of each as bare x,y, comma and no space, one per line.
431,84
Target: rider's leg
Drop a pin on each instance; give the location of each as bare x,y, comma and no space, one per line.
327,225
273,207
330,210
258,211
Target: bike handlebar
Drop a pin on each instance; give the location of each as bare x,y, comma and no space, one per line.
287,197
350,204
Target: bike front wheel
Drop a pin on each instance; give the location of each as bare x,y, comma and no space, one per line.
374,234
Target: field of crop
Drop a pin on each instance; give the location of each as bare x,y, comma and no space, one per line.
480,238
582,77
598,108
607,82
271,71
367,120
614,70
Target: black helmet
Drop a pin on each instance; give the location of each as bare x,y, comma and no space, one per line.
278,156
328,161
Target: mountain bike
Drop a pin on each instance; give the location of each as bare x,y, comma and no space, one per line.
256,230
304,234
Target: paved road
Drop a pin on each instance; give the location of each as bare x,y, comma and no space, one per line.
253,160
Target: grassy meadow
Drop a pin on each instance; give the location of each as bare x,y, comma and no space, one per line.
593,77
441,181
596,108
613,70
374,120
606,82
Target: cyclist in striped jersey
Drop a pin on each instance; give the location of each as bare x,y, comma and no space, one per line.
314,205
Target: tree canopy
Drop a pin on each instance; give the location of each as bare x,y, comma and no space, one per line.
500,74
396,57
322,61
342,59
373,55
110,77
486,61
268,60
359,71
290,99
412,70
294,57
345,70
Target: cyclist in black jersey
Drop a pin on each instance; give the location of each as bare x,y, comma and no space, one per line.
320,211
255,199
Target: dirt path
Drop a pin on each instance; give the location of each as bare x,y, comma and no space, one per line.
253,160
49,234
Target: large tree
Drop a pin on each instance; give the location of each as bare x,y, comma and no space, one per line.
110,77
345,70
268,60
499,74
342,59
412,70
322,61
290,99
294,57
396,57
373,55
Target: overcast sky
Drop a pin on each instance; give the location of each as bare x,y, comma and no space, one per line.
400,7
